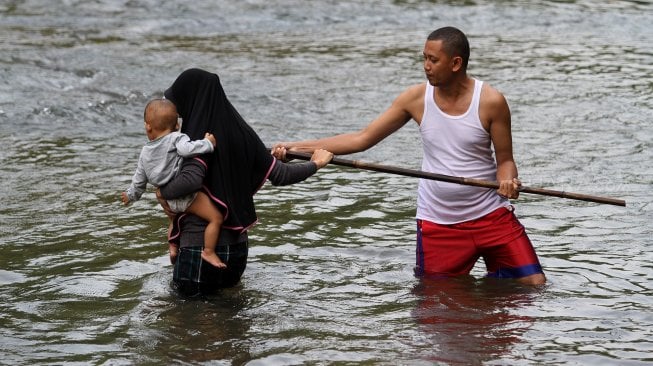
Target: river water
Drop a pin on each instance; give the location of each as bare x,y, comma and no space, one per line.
84,280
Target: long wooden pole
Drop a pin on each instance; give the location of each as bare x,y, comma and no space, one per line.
458,180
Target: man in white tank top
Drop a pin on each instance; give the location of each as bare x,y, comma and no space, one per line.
460,120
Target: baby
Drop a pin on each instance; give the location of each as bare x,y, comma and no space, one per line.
159,162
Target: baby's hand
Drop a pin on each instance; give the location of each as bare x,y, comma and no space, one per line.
211,138
321,157
124,198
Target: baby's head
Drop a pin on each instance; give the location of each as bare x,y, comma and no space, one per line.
161,115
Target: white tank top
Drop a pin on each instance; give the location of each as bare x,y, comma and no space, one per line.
458,146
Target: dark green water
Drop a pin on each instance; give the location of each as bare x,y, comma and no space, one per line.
84,280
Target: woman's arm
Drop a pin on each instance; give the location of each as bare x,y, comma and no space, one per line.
283,174
189,180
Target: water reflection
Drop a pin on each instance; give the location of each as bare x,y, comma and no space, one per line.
469,321
193,331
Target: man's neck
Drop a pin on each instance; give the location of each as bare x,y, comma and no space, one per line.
456,88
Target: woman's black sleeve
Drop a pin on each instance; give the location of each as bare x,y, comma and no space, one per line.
284,174
189,180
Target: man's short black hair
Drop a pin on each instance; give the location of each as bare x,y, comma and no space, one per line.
454,42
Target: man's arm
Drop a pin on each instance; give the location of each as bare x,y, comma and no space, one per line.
495,108
407,105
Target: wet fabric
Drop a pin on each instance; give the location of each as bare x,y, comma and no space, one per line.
498,237
194,277
241,162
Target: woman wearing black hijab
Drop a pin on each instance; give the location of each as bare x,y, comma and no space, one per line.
231,175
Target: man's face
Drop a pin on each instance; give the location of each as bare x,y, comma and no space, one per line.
438,66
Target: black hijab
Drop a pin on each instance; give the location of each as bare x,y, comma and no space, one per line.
241,163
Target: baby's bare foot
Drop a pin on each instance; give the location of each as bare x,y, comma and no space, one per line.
213,259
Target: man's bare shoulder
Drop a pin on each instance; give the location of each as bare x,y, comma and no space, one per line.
415,91
492,97
410,103
493,108
411,97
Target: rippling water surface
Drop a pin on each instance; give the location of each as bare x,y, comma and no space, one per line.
85,280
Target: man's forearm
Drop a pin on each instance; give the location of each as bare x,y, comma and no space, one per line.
506,171
343,144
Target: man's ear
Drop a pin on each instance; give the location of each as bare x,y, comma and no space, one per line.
456,63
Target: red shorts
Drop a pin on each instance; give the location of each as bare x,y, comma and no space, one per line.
498,237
